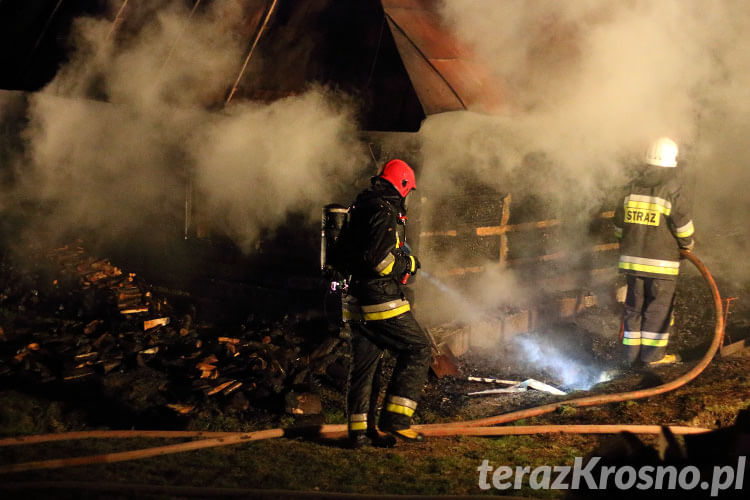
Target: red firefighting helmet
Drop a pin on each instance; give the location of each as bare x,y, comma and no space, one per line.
398,173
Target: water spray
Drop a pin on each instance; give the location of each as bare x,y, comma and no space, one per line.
573,374
453,293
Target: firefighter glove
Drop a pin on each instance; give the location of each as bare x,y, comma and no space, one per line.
405,263
686,248
689,246
414,264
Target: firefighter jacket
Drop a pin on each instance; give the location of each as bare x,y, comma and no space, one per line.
653,224
378,261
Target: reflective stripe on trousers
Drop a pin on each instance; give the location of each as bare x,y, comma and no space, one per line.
402,406
358,422
647,317
646,338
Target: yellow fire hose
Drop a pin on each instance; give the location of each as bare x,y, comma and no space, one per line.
479,427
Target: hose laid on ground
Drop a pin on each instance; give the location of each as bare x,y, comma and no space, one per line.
144,453
336,431
473,427
325,432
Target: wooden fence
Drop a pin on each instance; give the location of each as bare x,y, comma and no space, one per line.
504,230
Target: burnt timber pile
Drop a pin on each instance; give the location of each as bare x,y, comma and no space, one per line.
73,323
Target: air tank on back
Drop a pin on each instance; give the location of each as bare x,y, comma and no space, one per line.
332,222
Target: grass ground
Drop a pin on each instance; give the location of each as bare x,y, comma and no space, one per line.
439,466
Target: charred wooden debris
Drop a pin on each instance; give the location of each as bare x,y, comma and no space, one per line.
76,318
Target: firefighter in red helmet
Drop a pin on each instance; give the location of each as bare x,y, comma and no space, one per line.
379,314
653,224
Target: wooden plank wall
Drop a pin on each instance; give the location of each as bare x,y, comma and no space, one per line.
507,235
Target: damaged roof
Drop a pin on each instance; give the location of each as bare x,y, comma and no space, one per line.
395,57
440,67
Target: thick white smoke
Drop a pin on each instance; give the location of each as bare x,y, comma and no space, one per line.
589,83
258,162
121,165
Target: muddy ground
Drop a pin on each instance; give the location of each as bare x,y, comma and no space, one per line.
71,360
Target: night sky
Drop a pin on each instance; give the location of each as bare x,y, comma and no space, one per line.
33,39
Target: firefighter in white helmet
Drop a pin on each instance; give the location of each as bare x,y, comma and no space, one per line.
653,224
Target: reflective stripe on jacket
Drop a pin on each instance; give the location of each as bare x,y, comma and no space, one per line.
652,223
375,289
353,311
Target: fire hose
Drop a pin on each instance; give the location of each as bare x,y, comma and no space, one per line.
478,427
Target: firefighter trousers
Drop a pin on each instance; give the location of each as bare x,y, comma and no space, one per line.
647,317
402,336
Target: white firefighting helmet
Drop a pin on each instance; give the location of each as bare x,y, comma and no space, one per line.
662,153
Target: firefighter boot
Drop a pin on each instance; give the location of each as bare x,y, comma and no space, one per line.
399,426
404,433
360,439
668,359
379,440
357,440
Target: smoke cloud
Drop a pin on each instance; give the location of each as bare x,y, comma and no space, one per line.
260,161
122,162
589,85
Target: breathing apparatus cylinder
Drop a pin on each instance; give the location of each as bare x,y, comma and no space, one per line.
333,220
